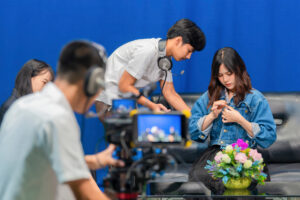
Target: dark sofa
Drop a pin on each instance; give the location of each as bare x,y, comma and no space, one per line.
283,157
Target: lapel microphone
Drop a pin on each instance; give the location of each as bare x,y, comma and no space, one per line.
180,74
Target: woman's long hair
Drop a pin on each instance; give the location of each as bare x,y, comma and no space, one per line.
30,69
234,63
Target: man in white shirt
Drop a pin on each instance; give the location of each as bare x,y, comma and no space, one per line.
40,144
140,62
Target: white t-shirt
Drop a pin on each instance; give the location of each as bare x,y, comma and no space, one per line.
139,59
40,147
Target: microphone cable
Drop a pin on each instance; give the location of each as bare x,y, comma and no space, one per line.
162,87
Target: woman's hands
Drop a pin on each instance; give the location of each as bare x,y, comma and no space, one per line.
229,114
217,107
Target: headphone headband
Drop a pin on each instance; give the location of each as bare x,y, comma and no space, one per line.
94,80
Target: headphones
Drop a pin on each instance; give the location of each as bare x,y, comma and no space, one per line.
94,78
164,62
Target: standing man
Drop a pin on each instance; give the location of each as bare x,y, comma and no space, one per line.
40,144
140,62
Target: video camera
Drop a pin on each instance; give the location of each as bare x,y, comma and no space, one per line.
142,138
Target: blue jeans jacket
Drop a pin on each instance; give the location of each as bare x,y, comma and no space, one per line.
254,108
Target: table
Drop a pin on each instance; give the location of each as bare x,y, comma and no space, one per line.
197,190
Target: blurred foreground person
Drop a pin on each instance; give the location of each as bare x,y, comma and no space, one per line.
40,144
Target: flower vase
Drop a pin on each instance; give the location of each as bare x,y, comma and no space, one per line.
238,183
237,192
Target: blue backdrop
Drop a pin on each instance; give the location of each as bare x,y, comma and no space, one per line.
264,32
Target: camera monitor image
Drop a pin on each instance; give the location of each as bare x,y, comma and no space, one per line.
159,128
123,105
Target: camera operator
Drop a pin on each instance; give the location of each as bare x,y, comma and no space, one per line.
40,144
140,62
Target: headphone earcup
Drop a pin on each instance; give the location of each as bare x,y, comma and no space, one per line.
94,81
165,63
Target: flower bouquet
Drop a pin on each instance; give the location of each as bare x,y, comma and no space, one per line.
237,165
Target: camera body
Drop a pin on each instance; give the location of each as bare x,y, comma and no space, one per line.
142,138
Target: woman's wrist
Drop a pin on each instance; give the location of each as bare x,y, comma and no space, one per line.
212,116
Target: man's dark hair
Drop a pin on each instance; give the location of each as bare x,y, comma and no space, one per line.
30,69
76,58
190,33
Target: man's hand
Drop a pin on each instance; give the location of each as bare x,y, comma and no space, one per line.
217,108
159,107
104,158
229,114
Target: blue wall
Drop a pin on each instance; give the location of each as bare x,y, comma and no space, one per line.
266,33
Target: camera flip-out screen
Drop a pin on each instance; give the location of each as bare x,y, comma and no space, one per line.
123,105
152,129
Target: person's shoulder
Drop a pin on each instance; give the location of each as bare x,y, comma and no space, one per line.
144,45
41,106
203,97
7,104
255,96
257,93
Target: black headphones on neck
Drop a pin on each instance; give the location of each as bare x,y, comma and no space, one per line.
94,78
164,62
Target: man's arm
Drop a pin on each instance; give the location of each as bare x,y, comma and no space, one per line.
103,159
86,189
172,97
126,84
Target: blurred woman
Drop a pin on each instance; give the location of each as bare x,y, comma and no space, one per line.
32,77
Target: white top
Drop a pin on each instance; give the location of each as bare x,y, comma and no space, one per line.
40,147
139,59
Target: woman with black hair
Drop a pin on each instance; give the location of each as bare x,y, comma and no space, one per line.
32,77
230,110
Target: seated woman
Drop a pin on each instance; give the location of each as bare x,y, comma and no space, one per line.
32,77
230,110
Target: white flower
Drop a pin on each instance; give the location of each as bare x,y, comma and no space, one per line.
226,158
261,160
228,149
248,164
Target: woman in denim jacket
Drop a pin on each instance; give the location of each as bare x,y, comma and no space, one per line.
230,110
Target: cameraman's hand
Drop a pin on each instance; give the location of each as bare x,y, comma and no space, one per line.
105,158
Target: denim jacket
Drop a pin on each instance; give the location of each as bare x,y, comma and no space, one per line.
254,108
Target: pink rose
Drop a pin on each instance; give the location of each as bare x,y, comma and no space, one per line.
218,157
240,157
255,155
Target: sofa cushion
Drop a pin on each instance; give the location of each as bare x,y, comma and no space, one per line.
286,112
